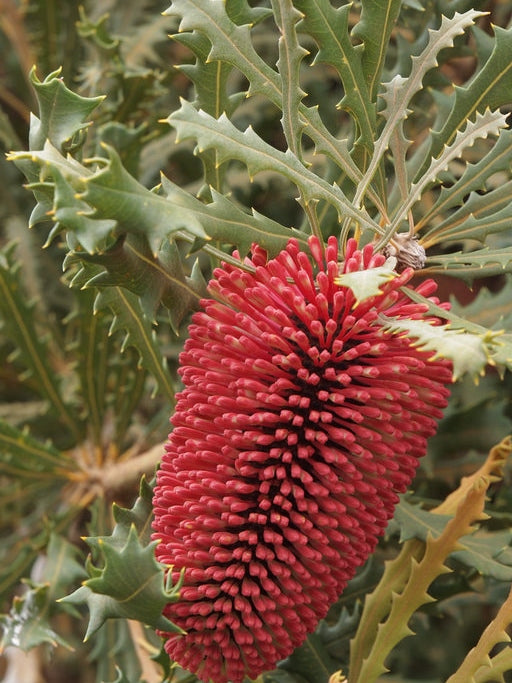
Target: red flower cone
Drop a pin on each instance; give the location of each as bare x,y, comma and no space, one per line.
300,422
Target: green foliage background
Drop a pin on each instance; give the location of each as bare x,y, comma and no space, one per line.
94,300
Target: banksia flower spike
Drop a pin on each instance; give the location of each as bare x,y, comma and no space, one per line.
300,421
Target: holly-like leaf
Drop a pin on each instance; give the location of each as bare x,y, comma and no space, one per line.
114,193
71,213
156,279
107,201
131,585
227,222
27,626
139,516
62,113
367,283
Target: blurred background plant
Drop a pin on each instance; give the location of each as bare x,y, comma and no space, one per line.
95,299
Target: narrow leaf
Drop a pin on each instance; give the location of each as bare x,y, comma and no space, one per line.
473,179
26,458
399,92
479,216
291,55
374,28
33,352
329,28
472,264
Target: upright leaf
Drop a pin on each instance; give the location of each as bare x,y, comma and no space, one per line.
17,317
374,28
399,92
329,28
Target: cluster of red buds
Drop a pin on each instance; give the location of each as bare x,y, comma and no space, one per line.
300,422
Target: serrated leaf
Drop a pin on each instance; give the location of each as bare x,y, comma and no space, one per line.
93,352
488,123
479,216
367,283
473,179
487,552
131,585
489,88
422,570
291,54
26,458
232,43
130,318
399,92
248,147
225,221
467,351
